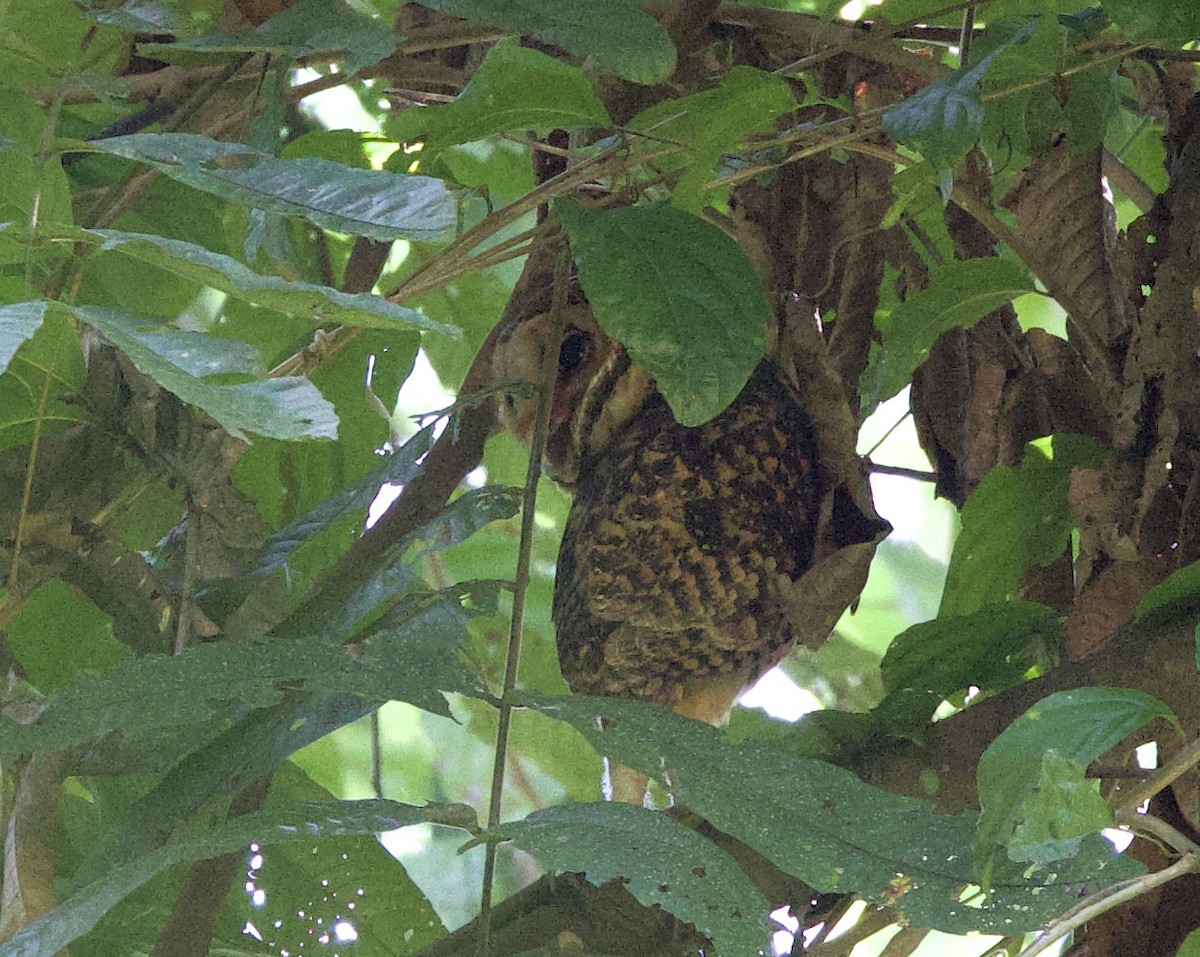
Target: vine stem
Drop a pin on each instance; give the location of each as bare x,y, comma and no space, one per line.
547,376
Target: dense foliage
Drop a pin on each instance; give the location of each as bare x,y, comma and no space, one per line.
230,236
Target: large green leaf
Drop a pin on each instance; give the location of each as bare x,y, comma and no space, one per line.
411,658
616,34
950,654
680,294
1032,787
661,862
713,122
854,838
190,261
1015,519
381,206
308,28
959,294
183,362
305,823
514,89
940,660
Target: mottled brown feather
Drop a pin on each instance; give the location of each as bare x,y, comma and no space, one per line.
677,547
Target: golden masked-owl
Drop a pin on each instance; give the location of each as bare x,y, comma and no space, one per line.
681,542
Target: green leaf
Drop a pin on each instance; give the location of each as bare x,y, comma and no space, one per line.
50,359
1181,584
1061,808
949,654
18,322
515,88
409,659
350,879
462,518
942,121
1078,727
381,206
959,294
305,823
855,839
1016,518
284,408
193,262
35,187
399,468
712,122
308,28
661,862
616,34
681,296
1190,946
57,634
1148,20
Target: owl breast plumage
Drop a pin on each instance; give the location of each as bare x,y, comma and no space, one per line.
679,545
681,541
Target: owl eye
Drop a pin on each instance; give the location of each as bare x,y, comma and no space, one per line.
576,346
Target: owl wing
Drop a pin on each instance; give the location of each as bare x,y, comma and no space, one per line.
678,543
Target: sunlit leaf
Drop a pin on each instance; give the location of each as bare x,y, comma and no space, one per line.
381,206
1015,519
46,370
712,122
284,408
959,294
58,634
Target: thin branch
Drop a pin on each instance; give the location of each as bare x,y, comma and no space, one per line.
546,382
1156,827
1162,778
919,475
1109,899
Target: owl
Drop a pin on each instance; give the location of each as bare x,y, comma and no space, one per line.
681,542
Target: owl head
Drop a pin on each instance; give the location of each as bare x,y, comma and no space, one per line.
597,390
